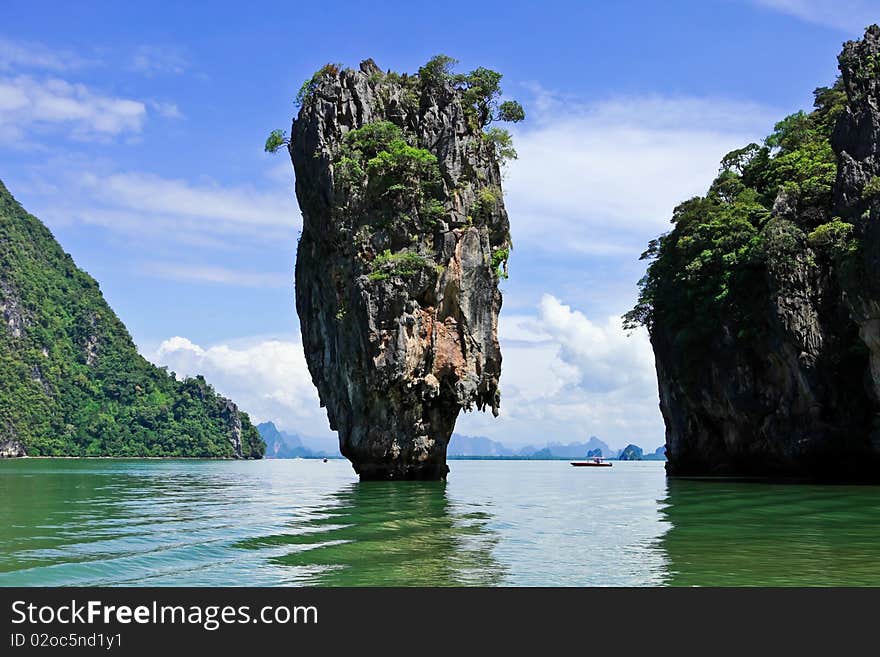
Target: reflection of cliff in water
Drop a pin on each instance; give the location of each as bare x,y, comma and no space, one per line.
736,534
388,534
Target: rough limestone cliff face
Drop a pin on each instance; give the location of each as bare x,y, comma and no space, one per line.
71,380
405,237
763,303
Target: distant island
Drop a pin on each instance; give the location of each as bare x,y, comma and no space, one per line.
284,445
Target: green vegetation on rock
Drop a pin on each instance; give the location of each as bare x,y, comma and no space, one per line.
379,166
275,140
769,205
499,261
836,236
402,263
308,87
481,93
872,188
71,380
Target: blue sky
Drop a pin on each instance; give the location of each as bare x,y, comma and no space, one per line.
135,133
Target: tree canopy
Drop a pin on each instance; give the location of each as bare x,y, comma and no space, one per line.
713,261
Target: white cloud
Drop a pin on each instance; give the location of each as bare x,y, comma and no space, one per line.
844,15
167,215
168,212
29,55
29,103
603,178
154,195
214,274
152,60
606,357
26,102
166,110
267,378
566,377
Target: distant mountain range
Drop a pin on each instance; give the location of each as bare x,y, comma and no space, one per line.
462,446
469,447
284,445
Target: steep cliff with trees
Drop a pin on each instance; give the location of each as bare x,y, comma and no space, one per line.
763,302
71,380
405,239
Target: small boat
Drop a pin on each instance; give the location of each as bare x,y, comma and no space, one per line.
594,462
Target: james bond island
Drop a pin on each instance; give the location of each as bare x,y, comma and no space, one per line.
763,302
405,239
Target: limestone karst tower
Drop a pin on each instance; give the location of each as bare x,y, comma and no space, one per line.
405,238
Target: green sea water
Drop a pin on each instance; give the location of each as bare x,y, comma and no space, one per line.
206,523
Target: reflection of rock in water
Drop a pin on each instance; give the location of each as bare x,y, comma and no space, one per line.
390,534
736,534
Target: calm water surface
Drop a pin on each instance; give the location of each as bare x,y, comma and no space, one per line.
109,522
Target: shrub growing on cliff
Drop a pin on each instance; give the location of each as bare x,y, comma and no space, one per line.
481,91
308,87
378,161
403,263
438,70
510,111
836,237
276,140
502,142
402,165
499,261
871,189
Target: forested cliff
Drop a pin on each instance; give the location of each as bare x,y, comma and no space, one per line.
763,302
71,380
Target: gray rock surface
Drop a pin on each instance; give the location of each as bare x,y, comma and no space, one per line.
395,356
10,449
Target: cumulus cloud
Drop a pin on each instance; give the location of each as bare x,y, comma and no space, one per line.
603,177
31,102
566,377
267,378
845,15
27,102
606,357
